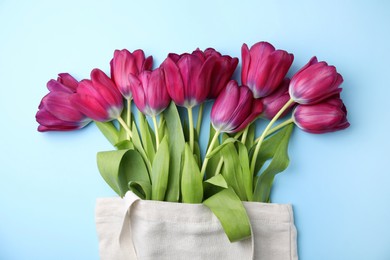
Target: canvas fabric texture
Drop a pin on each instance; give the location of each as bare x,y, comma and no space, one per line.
135,229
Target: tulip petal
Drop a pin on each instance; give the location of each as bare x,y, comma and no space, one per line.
54,85
67,80
173,81
257,108
246,60
89,106
224,106
148,64
138,92
139,58
202,88
59,105
106,89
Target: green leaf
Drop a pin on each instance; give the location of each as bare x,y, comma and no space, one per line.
162,128
276,149
221,146
224,137
191,180
197,153
120,167
176,149
247,177
160,171
138,145
124,145
142,189
230,211
214,185
147,136
250,138
109,130
232,170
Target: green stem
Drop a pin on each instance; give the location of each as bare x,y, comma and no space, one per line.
156,131
209,150
128,115
244,135
200,116
191,128
125,126
263,135
276,128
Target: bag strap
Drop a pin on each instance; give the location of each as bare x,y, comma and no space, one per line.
125,238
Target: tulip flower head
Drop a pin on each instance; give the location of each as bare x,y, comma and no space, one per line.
187,78
98,98
56,112
125,63
234,108
149,92
315,82
264,68
222,70
327,116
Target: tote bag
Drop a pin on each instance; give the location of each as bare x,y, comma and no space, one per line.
131,228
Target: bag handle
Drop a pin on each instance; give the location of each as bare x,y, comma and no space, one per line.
125,238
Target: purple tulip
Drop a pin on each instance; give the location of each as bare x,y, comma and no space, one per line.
56,112
98,98
187,78
274,102
149,91
264,68
327,116
222,70
125,63
234,108
315,82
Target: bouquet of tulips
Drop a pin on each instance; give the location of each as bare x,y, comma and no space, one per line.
157,153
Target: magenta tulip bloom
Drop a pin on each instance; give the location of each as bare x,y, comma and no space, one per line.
222,70
234,108
149,92
98,98
315,82
187,78
56,112
125,63
327,116
264,68
274,102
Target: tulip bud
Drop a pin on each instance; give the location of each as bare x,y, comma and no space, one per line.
98,98
56,112
222,70
274,102
125,63
315,82
149,92
234,108
263,68
187,78
327,116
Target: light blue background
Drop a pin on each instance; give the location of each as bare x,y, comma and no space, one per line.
338,183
